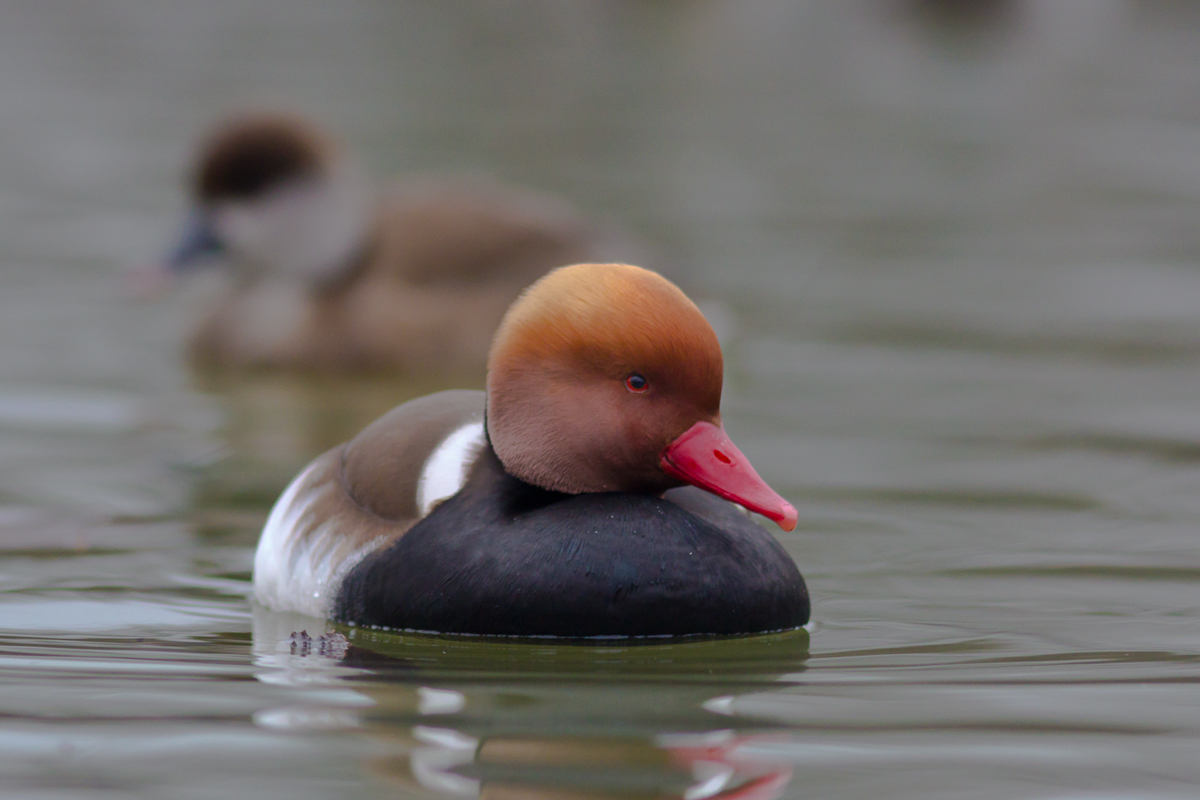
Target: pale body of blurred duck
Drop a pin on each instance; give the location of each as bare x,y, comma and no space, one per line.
327,274
579,496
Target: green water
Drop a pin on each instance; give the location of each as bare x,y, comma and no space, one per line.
962,262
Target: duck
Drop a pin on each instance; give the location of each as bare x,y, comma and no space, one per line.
589,491
327,274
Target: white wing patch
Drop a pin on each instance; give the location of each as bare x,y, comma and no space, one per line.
445,470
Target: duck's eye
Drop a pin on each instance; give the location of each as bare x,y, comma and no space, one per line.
636,383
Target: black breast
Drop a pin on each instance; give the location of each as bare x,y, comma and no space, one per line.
504,558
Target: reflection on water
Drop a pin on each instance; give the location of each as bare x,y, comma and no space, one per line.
687,766
957,247
536,718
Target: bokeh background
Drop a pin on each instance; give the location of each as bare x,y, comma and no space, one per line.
957,248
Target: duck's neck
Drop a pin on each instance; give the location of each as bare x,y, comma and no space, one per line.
343,230
514,495
341,274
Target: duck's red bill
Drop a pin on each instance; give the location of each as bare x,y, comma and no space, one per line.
706,458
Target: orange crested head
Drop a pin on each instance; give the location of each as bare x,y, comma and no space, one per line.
602,377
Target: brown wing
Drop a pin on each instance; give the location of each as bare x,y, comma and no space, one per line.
354,499
382,465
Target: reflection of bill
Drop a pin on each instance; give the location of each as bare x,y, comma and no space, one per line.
722,767
498,768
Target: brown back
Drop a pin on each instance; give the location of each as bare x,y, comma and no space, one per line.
381,466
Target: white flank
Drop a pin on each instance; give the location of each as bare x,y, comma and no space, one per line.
288,576
296,568
446,468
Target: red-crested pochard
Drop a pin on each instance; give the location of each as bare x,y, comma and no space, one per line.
555,503
328,275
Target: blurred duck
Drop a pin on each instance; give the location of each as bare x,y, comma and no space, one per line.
328,275
579,496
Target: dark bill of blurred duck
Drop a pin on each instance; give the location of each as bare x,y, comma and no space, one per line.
328,274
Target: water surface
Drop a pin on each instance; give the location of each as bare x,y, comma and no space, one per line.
960,254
